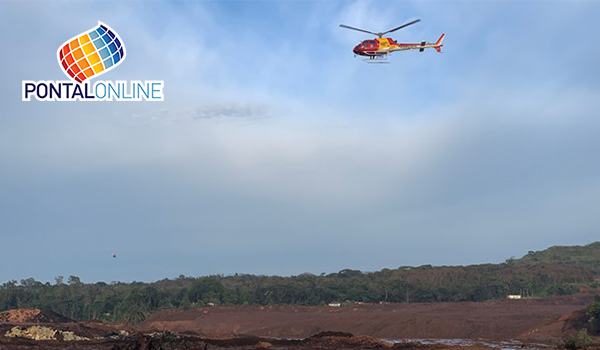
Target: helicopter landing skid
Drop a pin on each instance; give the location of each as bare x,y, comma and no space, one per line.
376,59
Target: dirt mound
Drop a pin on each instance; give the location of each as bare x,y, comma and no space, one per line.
323,341
345,341
19,316
421,346
330,334
579,320
565,326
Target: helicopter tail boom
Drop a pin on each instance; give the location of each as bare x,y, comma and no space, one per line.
438,44
421,46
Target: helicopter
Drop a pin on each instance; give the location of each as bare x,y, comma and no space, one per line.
377,49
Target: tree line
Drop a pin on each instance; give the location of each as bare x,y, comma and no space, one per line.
133,302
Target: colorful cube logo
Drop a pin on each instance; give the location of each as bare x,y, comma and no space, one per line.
91,53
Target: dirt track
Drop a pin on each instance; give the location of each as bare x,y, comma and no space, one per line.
500,319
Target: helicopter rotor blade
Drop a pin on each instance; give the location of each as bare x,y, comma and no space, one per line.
358,29
402,26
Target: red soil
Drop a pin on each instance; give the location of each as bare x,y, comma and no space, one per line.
533,319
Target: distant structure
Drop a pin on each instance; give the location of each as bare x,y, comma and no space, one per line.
514,296
335,304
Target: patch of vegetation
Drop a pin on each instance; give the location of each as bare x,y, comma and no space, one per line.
579,341
593,314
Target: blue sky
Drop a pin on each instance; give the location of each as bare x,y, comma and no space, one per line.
278,152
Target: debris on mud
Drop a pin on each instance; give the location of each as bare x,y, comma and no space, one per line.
38,337
33,332
43,333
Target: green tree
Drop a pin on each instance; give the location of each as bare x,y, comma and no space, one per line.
593,313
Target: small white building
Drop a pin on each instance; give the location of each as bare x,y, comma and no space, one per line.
513,296
335,304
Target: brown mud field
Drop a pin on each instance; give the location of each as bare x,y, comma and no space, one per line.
527,320
500,324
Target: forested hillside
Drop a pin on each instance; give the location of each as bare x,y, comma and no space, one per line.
557,270
587,257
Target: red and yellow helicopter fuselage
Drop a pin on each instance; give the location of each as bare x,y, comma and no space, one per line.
378,48
384,46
